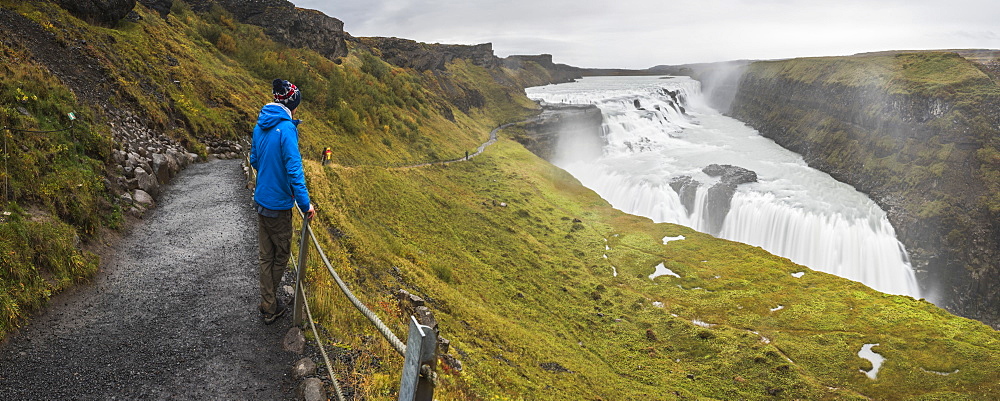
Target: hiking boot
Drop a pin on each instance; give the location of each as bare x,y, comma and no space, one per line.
279,311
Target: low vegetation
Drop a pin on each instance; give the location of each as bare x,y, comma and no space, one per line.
510,252
542,288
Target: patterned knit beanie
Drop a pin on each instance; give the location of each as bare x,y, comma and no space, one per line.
286,93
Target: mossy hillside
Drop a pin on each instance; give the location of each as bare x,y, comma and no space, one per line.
430,222
194,77
923,74
534,311
915,131
957,90
51,183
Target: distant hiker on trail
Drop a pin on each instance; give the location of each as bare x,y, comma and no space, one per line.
327,155
281,184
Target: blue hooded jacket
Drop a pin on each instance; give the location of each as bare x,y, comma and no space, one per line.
275,155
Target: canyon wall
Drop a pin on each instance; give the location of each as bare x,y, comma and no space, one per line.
919,133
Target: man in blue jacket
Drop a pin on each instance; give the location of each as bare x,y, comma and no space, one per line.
281,184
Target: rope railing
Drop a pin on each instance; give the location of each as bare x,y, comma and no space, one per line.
319,344
382,328
416,382
420,351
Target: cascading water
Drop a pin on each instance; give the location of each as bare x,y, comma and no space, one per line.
659,141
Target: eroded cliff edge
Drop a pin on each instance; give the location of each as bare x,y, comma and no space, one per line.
919,133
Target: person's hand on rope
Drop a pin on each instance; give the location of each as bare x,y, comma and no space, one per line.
311,212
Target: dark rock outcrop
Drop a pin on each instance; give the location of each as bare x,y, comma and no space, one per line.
581,125
555,73
160,6
719,198
104,12
287,24
426,56
687,189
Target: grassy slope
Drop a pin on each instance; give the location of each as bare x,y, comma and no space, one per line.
519,287
159,70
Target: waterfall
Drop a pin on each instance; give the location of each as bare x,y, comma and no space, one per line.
661,141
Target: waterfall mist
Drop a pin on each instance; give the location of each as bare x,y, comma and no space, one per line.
669,157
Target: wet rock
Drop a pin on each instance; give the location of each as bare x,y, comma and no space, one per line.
687,189
450,363
426,317
311,389
408,303
304,367
146,182
719,197
581,124
294,341
143,198
730,174
554,367
160,168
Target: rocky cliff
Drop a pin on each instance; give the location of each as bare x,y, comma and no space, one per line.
104,12
430,56
562,122
557,73
916,132
287,24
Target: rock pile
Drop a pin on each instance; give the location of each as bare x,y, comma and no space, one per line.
145,159
226,149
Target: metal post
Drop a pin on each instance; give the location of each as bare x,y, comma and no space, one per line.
300,274
421,348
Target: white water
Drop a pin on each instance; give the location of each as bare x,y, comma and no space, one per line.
793,210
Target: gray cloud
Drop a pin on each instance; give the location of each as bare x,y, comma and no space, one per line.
643,33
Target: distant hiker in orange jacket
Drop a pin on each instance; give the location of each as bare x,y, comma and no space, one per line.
327,155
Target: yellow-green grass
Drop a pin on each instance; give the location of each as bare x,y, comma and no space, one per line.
180,77
920,73
516,288
525,285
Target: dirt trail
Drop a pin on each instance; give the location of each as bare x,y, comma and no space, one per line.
490,141
172,314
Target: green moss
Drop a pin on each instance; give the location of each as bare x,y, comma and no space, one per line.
508,250
522,295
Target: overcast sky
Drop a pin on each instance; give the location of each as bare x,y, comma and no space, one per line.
645,33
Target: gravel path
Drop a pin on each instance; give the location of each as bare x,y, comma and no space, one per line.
172,314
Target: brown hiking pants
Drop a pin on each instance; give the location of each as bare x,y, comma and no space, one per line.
274,242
